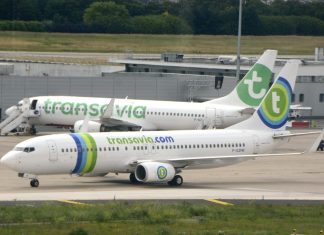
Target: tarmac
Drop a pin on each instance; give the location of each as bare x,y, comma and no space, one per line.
270,178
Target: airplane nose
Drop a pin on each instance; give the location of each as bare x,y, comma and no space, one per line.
10,160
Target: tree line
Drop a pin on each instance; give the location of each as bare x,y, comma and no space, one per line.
214,17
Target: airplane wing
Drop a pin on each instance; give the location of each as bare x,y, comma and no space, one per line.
299,107
110,121
187,162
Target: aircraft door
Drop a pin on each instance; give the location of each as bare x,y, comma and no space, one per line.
52,148
34,109
210,119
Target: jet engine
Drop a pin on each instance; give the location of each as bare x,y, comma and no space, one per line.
154,172
92,126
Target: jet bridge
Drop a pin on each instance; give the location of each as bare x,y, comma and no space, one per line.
18,116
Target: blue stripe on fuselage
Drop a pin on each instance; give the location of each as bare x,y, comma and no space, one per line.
82,153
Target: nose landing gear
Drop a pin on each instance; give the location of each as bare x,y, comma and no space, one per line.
33,179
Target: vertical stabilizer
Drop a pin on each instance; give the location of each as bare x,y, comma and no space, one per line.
250,91
272,114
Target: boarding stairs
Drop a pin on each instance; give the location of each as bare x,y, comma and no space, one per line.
18,117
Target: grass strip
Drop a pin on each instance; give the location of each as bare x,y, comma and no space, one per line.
134,43
161,218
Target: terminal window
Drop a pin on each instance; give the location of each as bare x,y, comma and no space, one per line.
321,98
301,97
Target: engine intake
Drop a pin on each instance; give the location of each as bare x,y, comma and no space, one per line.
154,172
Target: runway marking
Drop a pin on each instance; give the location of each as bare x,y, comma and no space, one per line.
219,202
73,202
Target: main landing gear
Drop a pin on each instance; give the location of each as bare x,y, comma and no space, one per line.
133,179
34,183
176,181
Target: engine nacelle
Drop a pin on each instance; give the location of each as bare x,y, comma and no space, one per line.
92,126
154,172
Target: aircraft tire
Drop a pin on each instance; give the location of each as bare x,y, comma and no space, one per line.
34,183
176,181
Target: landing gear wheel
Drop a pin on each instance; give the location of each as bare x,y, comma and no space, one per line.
133,179
33,131
176,181
34,183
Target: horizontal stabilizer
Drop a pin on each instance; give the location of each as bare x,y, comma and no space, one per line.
295,134
247,111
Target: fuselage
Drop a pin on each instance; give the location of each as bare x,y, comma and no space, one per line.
148,114
100,153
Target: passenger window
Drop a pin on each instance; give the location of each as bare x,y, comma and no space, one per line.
62,150
126,148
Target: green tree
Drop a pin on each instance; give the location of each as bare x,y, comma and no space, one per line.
160,24
107,17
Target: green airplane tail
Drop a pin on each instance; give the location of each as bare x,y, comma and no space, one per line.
272,113
250,91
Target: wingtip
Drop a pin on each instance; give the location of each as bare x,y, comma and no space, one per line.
313,148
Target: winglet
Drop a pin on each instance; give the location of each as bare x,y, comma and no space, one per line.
85,125
109,110
314,146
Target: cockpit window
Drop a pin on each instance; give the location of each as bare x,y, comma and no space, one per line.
25,149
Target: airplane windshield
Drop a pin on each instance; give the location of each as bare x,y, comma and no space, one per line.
24,149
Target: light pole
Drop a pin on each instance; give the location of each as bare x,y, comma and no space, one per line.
238,55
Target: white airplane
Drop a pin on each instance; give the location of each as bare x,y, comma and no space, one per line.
130,114
159,156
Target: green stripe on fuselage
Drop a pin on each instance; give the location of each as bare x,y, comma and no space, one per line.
91,154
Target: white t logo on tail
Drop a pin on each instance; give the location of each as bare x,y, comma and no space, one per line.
250,84
275,100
